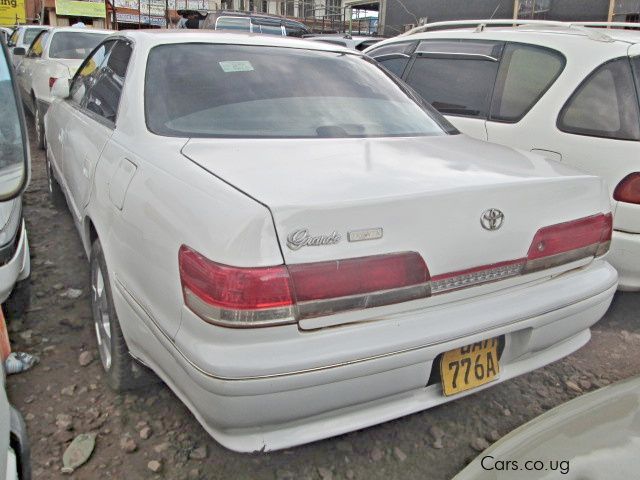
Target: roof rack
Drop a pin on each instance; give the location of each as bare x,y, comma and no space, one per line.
480,25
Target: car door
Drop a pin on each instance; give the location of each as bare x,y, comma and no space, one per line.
29,67
92,122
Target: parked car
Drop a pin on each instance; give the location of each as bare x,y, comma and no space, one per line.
355,42
591,437
54,54
567,91
297,256
236,21
21,39
15,462
15,264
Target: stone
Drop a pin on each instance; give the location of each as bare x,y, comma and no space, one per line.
493,436
437,444
377,455
64,421
68,391
199,453
479,444
573,386
194,474
350,474
436,432
399,454
344,446
154,465
162,447
585,384
78,452
128,444
71,293
85,358
145,433
325,473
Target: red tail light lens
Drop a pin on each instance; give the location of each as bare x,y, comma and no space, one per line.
52,80
235,296
569,241
246,297
628,190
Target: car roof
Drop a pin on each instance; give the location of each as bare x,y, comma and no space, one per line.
153,37
339,36
81,30
551,34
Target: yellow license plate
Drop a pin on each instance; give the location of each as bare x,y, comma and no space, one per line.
469,367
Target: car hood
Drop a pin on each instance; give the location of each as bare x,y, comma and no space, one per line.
597,433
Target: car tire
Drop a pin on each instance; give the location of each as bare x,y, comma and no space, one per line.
38,122
55,192
122,371
19,301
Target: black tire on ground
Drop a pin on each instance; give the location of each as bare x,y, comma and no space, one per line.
55,192
38,122
122,371
18,302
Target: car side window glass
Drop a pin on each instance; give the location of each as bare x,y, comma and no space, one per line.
636,73
525,74
605,105
37,47
104,95
457,78
87,71
394,57
13,39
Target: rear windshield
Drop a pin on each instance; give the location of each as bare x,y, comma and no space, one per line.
74,45
271,92
30,34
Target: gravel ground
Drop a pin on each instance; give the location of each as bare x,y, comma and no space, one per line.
64,396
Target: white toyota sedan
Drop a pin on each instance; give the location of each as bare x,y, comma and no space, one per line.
54,54
568,91
300,248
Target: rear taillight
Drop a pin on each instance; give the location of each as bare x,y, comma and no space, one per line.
52,80
246,297
628,190
569,241
265,296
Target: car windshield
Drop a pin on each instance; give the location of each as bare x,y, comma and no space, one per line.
74,45
30,34
272,92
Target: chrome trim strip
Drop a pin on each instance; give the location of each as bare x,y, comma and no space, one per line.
127,295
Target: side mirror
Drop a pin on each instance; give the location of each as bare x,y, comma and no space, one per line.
15,163
20,51
60,88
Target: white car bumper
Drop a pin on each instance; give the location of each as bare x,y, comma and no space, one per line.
18,268
541,322
625,257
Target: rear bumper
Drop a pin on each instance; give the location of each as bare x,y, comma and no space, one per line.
254,410
625,257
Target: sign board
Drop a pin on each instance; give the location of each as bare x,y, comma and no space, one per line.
12,10
144,19
80,8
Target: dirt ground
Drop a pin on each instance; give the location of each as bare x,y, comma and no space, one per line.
60,398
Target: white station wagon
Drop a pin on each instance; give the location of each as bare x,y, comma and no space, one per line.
299,247
567,91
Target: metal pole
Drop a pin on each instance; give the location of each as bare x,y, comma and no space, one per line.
139,16
516,9
612,6
166,13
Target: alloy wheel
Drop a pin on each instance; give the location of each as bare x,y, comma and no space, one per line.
101,317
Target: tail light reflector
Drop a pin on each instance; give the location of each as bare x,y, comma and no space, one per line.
52,80
569,241
628,190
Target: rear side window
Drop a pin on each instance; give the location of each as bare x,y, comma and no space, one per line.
525,74
233,23
395,57
73,45
30,34
457,78
37,47
605,105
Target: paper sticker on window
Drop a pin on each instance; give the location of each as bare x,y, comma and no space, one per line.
236,66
